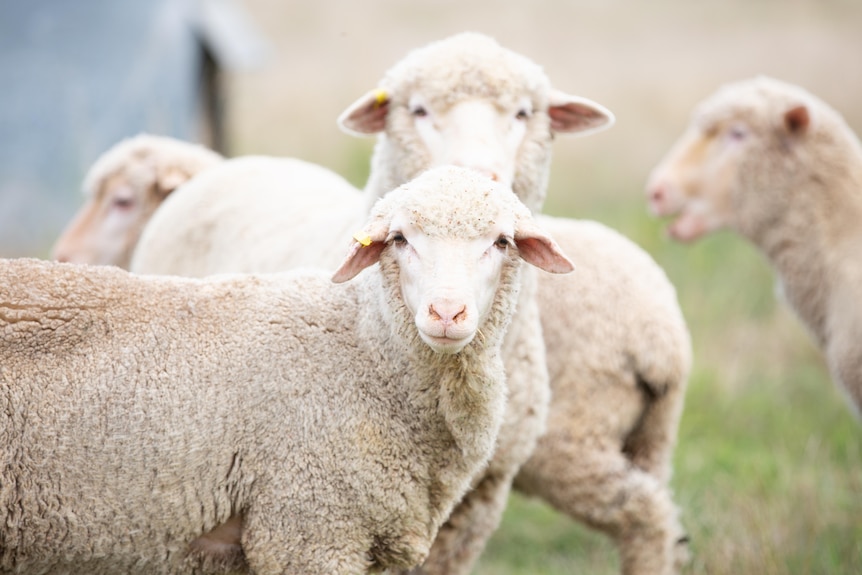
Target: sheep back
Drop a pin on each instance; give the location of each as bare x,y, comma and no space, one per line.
236,216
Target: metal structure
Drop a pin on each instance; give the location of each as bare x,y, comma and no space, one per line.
80,76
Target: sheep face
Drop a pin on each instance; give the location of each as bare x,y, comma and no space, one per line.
472,133
490,135
733,165
693,181
106,228
447,284
122,190
454,237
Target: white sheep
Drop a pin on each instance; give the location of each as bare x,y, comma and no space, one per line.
780,167
122,189
334,425
251,213
618,338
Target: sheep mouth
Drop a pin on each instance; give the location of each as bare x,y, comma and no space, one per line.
687,224
690,216
446,345
672,216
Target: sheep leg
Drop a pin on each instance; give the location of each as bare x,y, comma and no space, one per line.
650,444
844,357
462,538
598,485
220,549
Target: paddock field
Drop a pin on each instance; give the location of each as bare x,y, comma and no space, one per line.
768,469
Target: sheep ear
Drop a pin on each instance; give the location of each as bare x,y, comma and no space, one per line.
573,114
797,119
539,249
364,252
170,180
367,115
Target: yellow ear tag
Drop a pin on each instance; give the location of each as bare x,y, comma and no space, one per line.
380,97
363,238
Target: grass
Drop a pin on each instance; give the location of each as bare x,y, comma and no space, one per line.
768,468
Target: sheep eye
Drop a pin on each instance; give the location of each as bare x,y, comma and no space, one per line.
522,114
123,203
503,242
398,239
419,112
737,133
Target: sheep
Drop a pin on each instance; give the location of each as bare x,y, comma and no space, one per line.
442,104
140,413
618,339
780,167
244,208
122,189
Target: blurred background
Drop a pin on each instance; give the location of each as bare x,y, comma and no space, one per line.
768,468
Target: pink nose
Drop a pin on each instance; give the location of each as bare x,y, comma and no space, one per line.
656,193
658,197
448,313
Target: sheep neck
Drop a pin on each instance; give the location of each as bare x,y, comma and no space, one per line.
381,178
814,242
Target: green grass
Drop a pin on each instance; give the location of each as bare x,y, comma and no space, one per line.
768,468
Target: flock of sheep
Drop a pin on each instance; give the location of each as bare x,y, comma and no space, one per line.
261,415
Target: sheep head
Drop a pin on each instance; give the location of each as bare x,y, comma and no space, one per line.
122,190
467,101
454,237
741,160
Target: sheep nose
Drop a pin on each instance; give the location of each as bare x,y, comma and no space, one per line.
447,313
63,258
656,192
657,197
